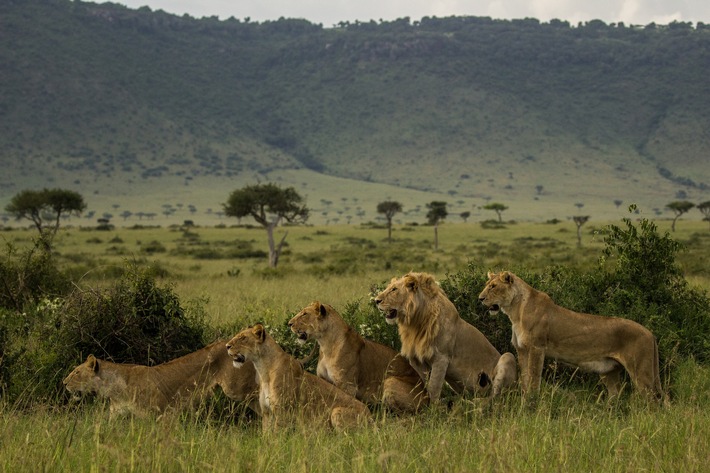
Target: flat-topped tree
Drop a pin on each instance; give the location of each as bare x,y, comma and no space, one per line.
704,208
437,212
579,221
389,208
45,208
498,208
679,207
269,205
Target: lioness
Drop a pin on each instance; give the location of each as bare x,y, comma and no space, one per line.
438,343
140,389
288,393
604,345
362,368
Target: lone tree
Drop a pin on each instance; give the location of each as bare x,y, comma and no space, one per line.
679,207
45,208
268,204
579,221
437,212
389,208
705,209
498,208
464,216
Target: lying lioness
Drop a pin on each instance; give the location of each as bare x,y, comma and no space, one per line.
365,369
289,394
604,345
140,389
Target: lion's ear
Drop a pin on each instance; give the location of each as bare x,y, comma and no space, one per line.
259,332
322,310
490,275
410,281
93,363
507,277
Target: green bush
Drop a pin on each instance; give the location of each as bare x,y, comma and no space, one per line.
133,321
29,275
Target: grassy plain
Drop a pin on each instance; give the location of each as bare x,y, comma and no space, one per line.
570,429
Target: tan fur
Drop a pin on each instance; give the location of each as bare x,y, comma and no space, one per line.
438,343
141,390
287,393
604,345
356,365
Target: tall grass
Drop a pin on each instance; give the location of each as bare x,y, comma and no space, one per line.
571,428
567,431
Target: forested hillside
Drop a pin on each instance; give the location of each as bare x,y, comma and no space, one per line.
100,97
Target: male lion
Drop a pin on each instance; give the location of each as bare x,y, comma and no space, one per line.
362,368
438,343
288,393
140,389
604,345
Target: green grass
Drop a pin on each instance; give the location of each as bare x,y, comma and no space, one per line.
569,430
572,428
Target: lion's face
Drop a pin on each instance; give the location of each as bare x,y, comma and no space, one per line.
83,379
310,322
498,293
393,301
245,344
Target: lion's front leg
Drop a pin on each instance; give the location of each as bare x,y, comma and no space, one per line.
437,377
535,362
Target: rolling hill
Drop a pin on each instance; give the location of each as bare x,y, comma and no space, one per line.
143,111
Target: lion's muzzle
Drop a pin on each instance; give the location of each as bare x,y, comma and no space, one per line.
239,360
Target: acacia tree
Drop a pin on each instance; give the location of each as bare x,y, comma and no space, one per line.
498,208
679,207
437,212
579,221
45,208
268,204
389,208
705,209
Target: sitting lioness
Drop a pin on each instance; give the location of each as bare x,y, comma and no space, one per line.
289,394
604,345
438,343
365,369
141,390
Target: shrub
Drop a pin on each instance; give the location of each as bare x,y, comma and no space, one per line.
29,275
133,321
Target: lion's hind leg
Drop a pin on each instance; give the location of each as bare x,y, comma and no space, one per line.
612,380
404,395
343,418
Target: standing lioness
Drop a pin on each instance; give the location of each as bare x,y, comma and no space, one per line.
288,393
604,345
438,343
365,369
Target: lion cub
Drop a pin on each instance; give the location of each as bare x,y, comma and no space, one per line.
438,343
140,390
370,371
541,328
289,394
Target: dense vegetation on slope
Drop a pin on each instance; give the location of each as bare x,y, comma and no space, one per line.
105,90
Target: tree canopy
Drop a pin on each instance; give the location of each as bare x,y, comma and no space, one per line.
44,208
679,207
268,204
389,208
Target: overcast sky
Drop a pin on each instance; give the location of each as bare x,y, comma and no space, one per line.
330,12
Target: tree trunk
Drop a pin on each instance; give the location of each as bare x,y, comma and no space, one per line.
436,236
274,250
389,230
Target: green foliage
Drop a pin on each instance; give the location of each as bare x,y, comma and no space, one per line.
132,321
44,205
29,275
